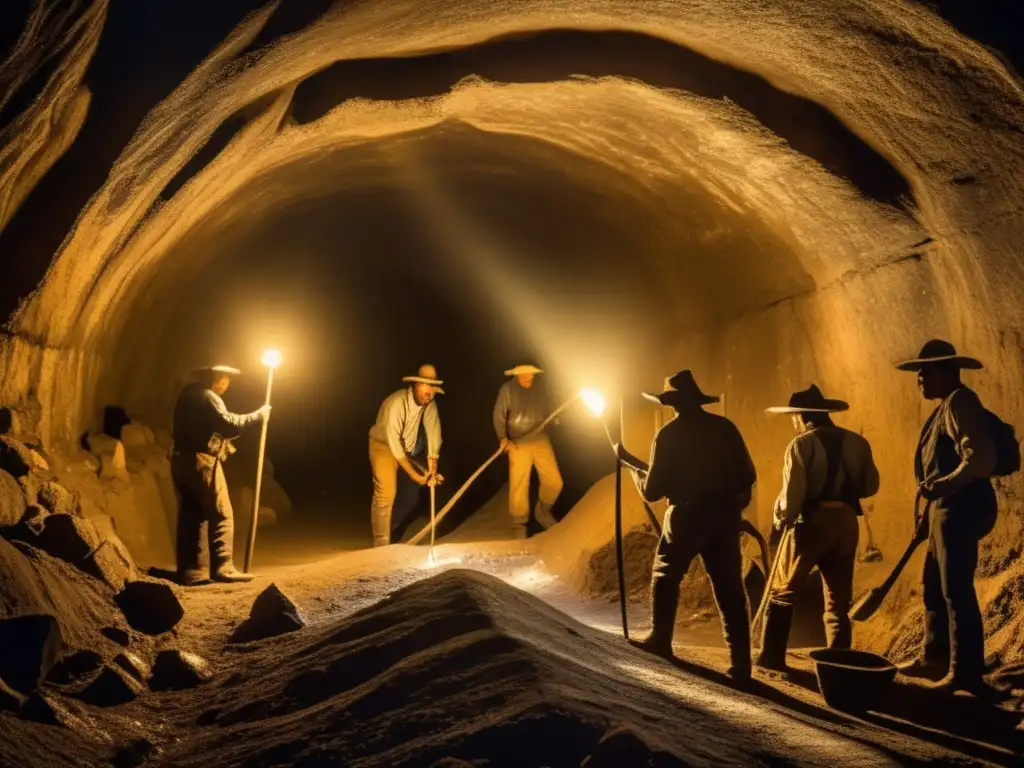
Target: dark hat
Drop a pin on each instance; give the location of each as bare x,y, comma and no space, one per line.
681,389
225,369
810,400
938,351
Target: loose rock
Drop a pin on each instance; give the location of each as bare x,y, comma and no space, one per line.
15,457
12,500
31,646
68,537
75,667
34,520
134,754
176,670
622,747
133,665
57,499
10,699
49,710
111,563
118,635
134,435
273,613
113,686
150,607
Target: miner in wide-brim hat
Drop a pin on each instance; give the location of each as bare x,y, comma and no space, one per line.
826,471
519,410
700,463
203,431
407,424
956,456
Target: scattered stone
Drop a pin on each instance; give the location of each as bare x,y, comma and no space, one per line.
31,484
151,607
69,538
10,699
176,670
622,747
113,686
90,462
163,438
133,435
75,667
31,646
38,461
57,499
34,519
111,563
273,613
134,754
105,526
12,500
49,710
15,457
133,665
118,635
110,452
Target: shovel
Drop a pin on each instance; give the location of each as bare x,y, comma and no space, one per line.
866,607
433,516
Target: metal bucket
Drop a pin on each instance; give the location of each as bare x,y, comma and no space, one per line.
853,681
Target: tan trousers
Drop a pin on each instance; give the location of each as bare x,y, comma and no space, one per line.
527,455
828,540
385,484
203,502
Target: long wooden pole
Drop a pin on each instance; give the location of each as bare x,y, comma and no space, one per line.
251,544
618,529
465,486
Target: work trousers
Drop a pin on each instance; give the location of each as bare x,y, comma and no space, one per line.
203,501
953,632
714,535
827,538
524,456
386,483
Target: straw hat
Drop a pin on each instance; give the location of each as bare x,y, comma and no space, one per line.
938,351
427,374
521,370
682,388
225,369
810,400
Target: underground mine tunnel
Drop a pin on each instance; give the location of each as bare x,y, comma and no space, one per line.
768,195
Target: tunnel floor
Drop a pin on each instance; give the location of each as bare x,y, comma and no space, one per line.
914,729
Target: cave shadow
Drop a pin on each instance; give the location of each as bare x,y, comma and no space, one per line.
960,723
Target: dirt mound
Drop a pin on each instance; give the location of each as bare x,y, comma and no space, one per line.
460,667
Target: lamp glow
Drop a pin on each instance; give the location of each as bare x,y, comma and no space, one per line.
594,401
271,358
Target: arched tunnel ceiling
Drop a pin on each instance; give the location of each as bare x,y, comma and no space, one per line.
773,223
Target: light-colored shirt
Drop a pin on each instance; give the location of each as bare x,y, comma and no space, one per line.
805,470
398,424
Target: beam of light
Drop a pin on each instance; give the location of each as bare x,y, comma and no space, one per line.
271,358
434,562
594,401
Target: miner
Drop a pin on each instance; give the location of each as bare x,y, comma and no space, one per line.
700,463
203,434
826,471
956,456
395,441
518,411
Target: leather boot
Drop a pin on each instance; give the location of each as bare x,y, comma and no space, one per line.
542,514
775,638
228,574
518,530
664,603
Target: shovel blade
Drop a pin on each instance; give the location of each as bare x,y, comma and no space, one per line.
865,608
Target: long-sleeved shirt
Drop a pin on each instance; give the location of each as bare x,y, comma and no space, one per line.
699,457
518,410
805,469
956,446
398,422
199,414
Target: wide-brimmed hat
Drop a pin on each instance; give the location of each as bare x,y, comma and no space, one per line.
427,374
521,370
224,369
938,351
682,388
810,400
